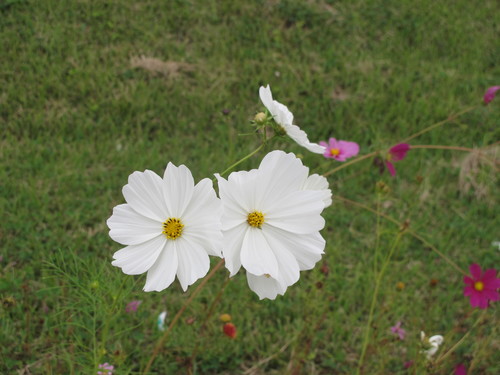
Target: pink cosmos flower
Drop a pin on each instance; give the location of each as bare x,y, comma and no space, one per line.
106,366
408,364
339,150
396,153
397,330
460,369
132,306
490,94
482,287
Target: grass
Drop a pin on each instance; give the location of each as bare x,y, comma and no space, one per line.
77,116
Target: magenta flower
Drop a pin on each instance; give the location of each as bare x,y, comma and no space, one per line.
408,364
339,150
132,306
460,369
106,366
490,94
396,153
397,330
482,287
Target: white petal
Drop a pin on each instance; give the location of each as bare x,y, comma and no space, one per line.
130,228
193,262
266,97
306,248
300,136
265,287
288,268
298,212
178,189
233,240
162,274
279,174
256,255
202,218
237,193
282,114
137,259
144,193
320,183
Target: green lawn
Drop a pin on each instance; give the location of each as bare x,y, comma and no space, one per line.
91,91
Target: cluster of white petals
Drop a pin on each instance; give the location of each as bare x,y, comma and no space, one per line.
169,227
271,222
433,343
283,117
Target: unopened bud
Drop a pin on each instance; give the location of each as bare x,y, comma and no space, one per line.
260,117
225,318
229,330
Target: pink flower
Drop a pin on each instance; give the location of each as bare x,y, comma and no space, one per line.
106,366
132,306
408,364
339,150
460,369
482,287
397,330
490,94
396,153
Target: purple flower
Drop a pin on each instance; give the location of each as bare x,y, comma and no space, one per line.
339,150
460,369
408,364
490,94
106,366
132,306
396,153
397,330
482,287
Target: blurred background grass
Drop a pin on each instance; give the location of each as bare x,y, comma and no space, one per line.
91,91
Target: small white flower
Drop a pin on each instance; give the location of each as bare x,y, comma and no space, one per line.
169,227
496,244
433,344
284,118
271,223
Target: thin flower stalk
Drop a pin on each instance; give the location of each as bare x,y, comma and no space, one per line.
409,231
378,280
442,357
161,341
440,123
423,131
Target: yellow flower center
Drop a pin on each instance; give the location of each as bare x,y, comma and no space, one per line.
478,285
334,151
255,219
172,228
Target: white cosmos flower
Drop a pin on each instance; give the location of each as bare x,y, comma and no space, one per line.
432,343
284,118
169,227
271,223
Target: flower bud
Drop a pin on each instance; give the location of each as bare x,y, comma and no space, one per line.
260,117
225,318
229,330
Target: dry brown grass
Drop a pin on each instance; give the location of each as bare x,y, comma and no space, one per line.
168,69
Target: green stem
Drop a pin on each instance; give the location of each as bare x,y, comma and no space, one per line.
459,342
242,159
374,300
410,232
377,232
449,119
361,158
177,316
350,163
